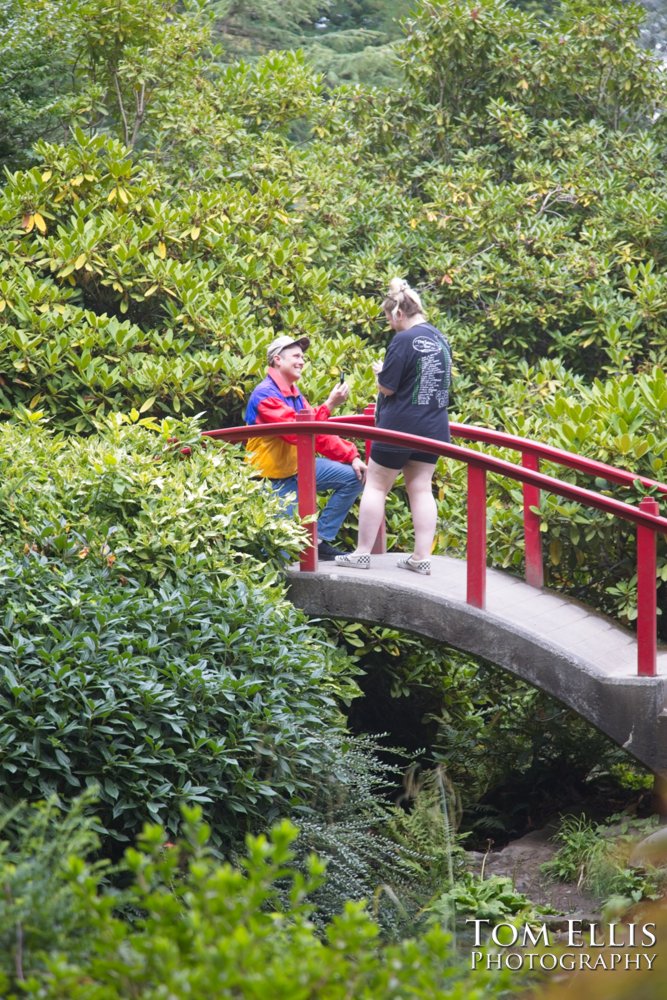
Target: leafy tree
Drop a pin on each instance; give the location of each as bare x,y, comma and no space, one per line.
373,14
133,55
107,66
354,56
36,53
584,63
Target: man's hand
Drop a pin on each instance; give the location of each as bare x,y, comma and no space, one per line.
359,469
377,367
338,395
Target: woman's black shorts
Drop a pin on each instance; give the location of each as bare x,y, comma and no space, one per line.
392,457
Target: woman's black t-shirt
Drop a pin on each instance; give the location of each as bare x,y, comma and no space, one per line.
418,368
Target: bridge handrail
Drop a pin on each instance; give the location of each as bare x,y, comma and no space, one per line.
531,453
591,498
569,459
646,516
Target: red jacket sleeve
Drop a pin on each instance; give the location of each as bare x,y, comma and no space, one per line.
332,446
274,410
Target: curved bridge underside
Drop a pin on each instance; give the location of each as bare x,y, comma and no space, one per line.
554,643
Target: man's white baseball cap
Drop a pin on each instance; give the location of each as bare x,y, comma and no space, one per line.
280,343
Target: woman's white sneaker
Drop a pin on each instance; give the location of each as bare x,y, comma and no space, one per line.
421,566
354,562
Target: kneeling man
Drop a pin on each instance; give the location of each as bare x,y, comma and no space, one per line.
340,468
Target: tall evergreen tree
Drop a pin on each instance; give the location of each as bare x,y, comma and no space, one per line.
251,26
346,40
654,29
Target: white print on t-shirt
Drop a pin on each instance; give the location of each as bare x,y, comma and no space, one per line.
425,345
430,377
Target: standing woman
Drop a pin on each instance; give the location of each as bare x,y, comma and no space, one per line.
413,386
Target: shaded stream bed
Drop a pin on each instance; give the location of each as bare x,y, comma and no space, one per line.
516,769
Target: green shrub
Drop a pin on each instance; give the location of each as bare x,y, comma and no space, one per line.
493,899
189,693
130,501
38,907
209,930
116,291
595,855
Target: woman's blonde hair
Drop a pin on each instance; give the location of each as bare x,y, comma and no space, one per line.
401,296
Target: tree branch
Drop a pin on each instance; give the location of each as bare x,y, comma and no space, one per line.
18,955
140,98
121,106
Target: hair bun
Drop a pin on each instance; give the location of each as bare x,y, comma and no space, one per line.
397,285
402,297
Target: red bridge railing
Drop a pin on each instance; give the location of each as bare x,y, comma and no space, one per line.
646,516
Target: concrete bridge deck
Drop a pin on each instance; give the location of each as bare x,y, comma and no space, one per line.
581,657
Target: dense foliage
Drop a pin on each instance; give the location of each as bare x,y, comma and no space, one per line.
348,41
534,228
166,212
137,651
204,929
161,697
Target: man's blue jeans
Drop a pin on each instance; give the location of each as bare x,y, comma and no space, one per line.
338,477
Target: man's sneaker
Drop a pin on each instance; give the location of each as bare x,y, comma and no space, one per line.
327,552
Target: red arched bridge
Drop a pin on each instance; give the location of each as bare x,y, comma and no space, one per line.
613,678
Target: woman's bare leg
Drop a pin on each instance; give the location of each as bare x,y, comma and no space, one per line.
379,480
418,482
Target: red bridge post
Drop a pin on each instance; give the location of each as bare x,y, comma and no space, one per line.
306,492
531,525
380,544
647,620
476,554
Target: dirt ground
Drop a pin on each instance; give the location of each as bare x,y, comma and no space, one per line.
521,861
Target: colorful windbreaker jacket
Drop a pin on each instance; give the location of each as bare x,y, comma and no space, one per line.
272,401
